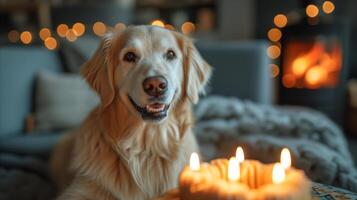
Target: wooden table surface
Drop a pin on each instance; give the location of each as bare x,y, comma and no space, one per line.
318,192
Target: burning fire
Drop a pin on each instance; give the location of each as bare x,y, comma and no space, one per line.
312,66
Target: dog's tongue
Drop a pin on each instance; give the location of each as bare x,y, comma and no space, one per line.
155,107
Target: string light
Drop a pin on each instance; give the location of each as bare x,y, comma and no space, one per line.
26,37
44,33
312,10
13,36
273,51
187,28
71,36
79,29
99,28
280,20
274,70
51,43
169,27
62,30
274,34
120,26
328,7
158,22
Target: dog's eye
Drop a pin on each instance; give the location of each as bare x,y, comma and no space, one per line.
130,57
170,55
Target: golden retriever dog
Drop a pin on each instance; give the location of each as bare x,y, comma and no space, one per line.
135,143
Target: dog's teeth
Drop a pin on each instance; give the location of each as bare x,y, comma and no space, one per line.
152,109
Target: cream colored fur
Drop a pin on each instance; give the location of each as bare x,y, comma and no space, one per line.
117,155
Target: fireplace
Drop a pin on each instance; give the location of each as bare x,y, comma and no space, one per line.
314,65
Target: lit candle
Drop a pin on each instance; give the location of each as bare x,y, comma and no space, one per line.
240,154
194,162
285,158
233,169
278,173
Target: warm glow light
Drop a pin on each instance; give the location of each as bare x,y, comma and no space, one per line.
328,7
289,80
312,10
26,37
44,33
120,26
187,28
169,27
78,29
158,23
299,66
278,173
194,162
274,34
13,36
280,20
273,51
285,158
71,36
233,169
274,69
50,43
240,154
315,75
62,30
99,28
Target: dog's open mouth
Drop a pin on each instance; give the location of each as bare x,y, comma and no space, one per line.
153,111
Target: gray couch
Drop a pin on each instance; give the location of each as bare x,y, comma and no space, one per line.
18,67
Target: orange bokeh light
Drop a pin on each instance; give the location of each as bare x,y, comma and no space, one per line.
312,10
51,43
274,70
120,27
99,28
26,37
158,23
299,66
13,36
328,7
79,29
315,75
289,80
280,20
273,51
169,27
274,34
187,28
44,33
71,35
62,30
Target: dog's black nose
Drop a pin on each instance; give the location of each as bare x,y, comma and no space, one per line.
155,85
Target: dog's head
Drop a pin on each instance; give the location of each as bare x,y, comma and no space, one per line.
149,69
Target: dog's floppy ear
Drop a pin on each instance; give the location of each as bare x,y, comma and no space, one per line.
98,71
196,70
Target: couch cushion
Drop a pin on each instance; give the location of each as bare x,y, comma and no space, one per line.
18,66
62,101
241,69
30,144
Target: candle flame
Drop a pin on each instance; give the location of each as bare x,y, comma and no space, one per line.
285,158
194,162
240,154
233,169
278,173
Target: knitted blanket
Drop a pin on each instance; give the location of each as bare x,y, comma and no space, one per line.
317,145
